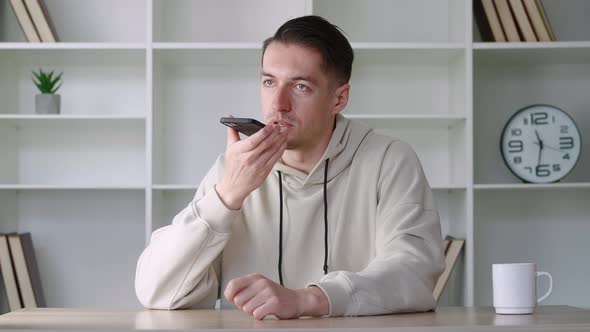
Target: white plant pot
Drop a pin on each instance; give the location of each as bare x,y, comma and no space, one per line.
47,103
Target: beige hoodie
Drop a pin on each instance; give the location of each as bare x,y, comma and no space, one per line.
384,245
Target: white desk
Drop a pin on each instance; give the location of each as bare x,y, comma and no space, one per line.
546,318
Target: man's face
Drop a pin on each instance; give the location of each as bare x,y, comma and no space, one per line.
295,89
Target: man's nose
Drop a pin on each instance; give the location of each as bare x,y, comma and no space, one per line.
281,101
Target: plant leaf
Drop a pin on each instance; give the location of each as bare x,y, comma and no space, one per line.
37,76
39,82
46,83
56,80
54,90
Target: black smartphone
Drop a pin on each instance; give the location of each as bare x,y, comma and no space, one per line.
245,126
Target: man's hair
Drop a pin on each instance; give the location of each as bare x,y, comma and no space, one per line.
317,33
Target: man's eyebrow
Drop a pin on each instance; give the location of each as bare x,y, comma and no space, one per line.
304,78
296,78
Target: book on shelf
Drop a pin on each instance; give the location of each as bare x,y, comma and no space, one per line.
539,20
507,20
524,25
446,244
25,21
26,269
488,23
453,248
8,276
40,16
512,20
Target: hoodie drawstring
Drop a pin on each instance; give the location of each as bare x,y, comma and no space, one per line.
325,267
281,228
326,217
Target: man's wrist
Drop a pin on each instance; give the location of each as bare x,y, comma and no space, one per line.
313,302
228,200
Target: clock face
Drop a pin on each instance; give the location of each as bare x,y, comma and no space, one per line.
540,143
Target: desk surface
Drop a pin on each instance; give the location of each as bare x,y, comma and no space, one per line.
558,318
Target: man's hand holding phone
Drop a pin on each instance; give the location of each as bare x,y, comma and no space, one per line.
249,161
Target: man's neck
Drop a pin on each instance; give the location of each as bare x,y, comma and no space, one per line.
305,158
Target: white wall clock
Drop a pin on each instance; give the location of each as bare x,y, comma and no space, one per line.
540,144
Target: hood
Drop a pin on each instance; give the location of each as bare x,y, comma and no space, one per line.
346,139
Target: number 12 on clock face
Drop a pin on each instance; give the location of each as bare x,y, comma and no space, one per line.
540,144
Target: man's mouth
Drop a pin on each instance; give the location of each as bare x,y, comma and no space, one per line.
283,123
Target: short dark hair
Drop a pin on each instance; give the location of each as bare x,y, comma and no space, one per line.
317,33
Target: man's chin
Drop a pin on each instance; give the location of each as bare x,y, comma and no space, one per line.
291,144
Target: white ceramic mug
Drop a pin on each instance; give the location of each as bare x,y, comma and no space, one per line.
515,288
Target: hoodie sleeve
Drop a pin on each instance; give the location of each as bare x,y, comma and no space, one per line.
180,266
409,251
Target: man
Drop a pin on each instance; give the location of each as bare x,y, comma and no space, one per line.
312,215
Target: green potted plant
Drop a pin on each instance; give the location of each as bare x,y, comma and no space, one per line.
47,102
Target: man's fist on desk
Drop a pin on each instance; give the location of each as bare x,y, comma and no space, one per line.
259,296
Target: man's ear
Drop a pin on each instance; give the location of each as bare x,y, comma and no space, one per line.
340,98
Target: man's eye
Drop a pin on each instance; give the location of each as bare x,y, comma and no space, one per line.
301,87
267,82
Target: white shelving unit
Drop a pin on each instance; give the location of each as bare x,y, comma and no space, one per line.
144,89
542,223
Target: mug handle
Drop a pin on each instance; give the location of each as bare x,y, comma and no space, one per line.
539,300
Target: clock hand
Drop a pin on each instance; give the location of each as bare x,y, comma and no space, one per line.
540,150
539,140
550,147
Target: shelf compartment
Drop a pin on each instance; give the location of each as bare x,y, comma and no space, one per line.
501,89
194,88
568,20
440,147
72,154
396,20
547,227
167,204
421,121
77,21
452,209
79,237
382,78
198,21
102,82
